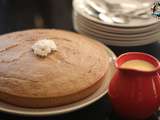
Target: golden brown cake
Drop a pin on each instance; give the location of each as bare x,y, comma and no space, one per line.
69,74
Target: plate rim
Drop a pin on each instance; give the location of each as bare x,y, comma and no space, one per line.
78,15
125,43
125,40
124,37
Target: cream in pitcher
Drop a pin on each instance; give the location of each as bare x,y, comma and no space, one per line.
138,65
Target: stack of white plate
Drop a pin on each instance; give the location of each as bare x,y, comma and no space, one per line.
138,31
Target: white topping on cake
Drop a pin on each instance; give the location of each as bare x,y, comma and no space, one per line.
44,47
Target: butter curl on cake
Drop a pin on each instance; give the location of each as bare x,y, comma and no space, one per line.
44,47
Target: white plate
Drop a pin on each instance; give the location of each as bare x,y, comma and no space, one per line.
119,32
115,38
79,7
5,107
140,36
77,17
117,43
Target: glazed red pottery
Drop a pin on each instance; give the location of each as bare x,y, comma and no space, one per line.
135,94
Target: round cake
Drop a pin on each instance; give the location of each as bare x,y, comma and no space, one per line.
72,72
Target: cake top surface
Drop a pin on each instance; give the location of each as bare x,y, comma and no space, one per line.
78,63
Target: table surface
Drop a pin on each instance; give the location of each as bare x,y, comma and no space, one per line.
102,109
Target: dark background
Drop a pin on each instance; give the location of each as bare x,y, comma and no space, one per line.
27,14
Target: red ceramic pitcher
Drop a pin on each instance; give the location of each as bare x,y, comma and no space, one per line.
135,94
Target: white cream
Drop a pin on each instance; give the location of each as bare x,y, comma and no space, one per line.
44,47
138,65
